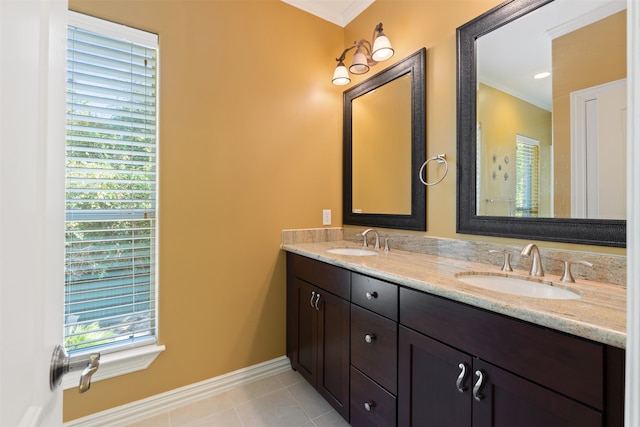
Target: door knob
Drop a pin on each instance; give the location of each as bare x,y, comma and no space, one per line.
61,364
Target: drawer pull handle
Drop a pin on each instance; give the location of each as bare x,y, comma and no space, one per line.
369,405
313,294
369,338
371,295
316,303
476,388
461,377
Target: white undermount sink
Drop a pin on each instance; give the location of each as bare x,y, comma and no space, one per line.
516,286
352,251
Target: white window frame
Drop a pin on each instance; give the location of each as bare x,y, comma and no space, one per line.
125,361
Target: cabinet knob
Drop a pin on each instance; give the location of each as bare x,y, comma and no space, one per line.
369,338
369,405
371,295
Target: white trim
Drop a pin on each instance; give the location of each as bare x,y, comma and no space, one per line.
155,405
337,12
632,376
587,19
117,363
112,29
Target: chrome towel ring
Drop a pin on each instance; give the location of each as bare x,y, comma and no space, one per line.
440,158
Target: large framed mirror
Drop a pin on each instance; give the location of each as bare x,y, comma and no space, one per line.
543,158
384,125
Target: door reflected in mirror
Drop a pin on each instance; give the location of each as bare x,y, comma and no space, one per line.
553,147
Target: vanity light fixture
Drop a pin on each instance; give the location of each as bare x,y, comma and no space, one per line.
367,54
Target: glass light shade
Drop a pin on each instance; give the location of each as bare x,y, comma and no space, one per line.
382,49
359,64
341,75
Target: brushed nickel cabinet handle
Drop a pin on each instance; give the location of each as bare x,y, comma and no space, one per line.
313,294
316,303
476,388
461,377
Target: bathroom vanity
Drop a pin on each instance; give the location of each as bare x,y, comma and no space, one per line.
394,339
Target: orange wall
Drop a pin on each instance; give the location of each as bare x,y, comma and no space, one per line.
250,137
250,143
411,25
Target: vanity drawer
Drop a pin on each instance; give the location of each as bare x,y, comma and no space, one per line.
374,346
371,405
376,295
572,366
326,276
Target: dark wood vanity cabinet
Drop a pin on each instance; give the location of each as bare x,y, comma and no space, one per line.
374,351
459,365
318,320
385,355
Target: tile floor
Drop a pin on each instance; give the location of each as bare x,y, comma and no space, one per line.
282,400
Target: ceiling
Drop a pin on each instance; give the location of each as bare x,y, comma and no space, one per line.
509,57
340,12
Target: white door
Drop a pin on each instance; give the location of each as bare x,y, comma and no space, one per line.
32,141
598,148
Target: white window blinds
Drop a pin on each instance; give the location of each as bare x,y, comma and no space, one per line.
111,186
527,176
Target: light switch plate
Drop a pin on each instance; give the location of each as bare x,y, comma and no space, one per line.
326,217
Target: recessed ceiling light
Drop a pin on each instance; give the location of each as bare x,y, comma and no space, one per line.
542,75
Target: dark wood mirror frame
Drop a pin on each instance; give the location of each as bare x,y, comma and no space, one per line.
415,65
578,231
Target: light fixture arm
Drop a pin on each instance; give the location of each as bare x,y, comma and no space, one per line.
344,53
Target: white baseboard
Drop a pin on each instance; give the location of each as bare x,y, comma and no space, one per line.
155,405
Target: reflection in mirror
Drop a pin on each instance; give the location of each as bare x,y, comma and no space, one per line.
381,143
543,157
543,79
384,147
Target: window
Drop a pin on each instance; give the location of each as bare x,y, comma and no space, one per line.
111,187
527,176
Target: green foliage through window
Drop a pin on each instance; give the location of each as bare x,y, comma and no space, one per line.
111,187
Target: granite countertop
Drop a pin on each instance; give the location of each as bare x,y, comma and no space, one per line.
599,315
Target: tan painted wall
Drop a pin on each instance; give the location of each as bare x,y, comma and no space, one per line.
250,142
251,131
584,58
411,25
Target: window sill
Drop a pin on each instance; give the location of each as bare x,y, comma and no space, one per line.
117,363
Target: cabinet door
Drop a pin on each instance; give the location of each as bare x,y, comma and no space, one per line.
429,392
333,351
504,399
303,333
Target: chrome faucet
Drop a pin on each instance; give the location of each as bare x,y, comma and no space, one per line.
364,234
536,264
